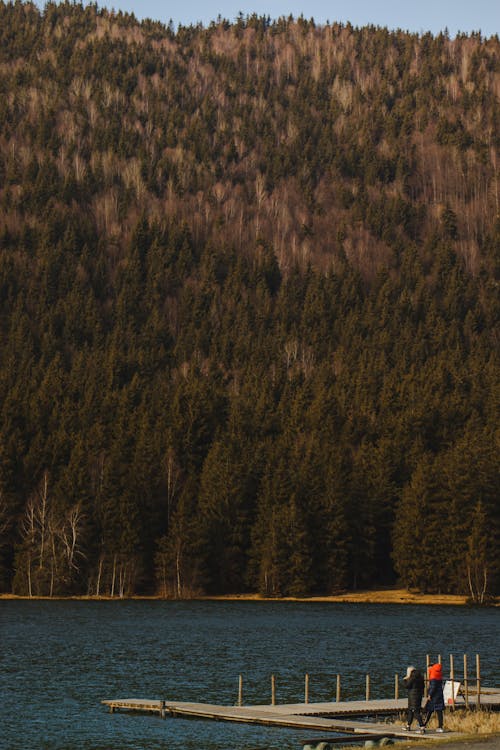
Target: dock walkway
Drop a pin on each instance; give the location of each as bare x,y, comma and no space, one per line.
324,717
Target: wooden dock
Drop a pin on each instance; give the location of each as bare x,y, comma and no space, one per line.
324,717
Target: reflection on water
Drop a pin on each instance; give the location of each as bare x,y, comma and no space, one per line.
58,660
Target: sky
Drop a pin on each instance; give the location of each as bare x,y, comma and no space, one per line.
413,15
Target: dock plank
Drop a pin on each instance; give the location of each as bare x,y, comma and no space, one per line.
297,715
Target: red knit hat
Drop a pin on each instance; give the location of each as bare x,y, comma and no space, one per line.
436,672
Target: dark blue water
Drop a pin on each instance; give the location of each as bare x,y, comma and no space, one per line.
59,659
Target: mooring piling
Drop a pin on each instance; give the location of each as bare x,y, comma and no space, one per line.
452,678
466,683
478,678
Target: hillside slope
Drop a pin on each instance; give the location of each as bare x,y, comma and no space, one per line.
249,307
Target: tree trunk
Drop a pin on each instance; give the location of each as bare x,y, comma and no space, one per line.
99,574
30,593
178,574
114,576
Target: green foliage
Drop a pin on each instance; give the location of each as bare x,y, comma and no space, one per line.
248,307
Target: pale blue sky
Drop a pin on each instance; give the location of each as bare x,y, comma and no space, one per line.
414,15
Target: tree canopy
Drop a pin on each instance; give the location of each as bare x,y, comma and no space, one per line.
249,306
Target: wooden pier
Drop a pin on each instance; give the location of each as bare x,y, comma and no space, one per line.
356,720
324,717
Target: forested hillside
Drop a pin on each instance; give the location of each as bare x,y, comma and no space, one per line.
249,307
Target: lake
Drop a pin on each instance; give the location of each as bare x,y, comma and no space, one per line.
59,659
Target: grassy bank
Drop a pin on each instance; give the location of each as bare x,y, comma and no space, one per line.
472,722
380,596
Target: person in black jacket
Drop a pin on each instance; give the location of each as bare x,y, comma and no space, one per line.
414,683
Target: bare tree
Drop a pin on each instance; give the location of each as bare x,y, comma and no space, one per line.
70,535
35,528
476,558
172,474
42,516
28,532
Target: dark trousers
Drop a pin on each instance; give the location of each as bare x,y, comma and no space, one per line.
439,714
414,712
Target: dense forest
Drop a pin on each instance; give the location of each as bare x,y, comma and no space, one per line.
249,306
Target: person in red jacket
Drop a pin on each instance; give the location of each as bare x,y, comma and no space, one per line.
435,701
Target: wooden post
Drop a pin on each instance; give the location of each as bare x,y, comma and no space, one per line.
452,678
240,690
306,689
367,687
163,713
396,687
439,659
273,690
478,678
466,683
338,689
426,678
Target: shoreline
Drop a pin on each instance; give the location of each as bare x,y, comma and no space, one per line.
380,596
470,742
